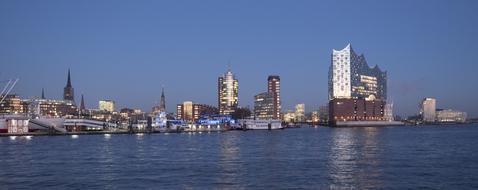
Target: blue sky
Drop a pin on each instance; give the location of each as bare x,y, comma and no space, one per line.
126,50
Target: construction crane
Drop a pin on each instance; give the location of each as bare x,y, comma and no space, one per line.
7,88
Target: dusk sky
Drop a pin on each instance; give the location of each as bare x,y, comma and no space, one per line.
126,50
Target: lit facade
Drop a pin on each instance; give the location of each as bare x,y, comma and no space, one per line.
106,105
273,87
450,116
351,77
228,87
50,107
300,113
12,104
428,110
264,106
190,112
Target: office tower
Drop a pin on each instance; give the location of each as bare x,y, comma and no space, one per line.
428,110
351,77
273,87
68,91
107,105
264,106
227,93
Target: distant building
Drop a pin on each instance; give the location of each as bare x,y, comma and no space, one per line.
50,107
314,117
227,89
300,113
190,112
106,105
68,91
12,104
428,110
450,116
289,116
351,77
324,114
273,87
264,106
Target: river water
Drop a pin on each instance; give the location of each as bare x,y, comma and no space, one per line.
433,157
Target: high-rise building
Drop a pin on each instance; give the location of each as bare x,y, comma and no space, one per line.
106,105
357,92
68,91
273,87
264,106
428,110
190,112
227,90
351,77
300,113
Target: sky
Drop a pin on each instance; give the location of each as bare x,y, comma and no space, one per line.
128,50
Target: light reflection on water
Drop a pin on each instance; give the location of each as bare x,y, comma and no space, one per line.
306,158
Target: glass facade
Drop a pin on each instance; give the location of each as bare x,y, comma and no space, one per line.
228,87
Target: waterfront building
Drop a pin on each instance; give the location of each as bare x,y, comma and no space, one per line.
289,116
12,104
428,110
300,113
227,90
314,117
264,106
357,92
106,105
51,108
450,116
351,77
190,112
273,87
68,91
346,109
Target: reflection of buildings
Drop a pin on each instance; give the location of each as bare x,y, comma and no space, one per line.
356,91
190,112
227,89
428,110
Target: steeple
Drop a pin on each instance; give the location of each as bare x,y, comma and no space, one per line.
68,91
68,83
162,103
82,104
42,93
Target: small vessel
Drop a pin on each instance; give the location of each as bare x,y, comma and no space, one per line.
261,124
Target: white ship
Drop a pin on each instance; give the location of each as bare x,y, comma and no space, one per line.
259,124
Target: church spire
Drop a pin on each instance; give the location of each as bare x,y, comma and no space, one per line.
82,104
162,103
42,93
68,83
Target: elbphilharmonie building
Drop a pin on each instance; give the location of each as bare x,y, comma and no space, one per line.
351,77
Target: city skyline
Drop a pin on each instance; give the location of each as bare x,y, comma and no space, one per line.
103,68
